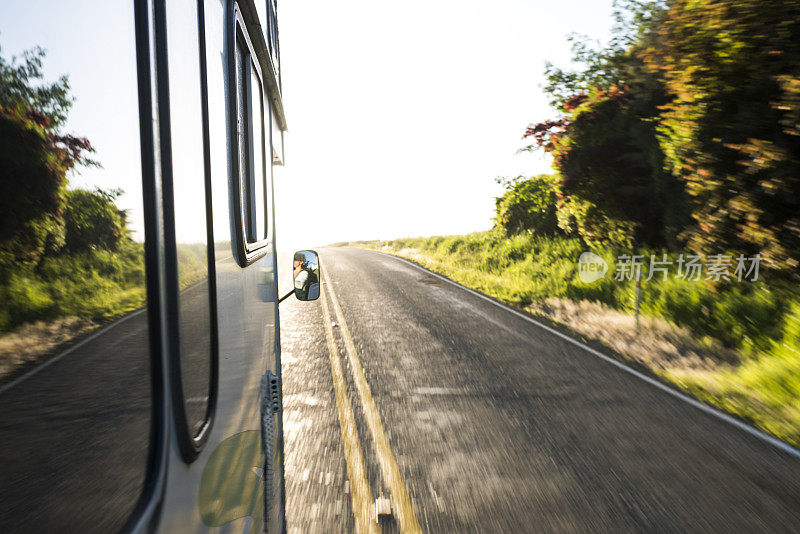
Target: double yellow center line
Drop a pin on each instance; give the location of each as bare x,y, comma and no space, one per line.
356,471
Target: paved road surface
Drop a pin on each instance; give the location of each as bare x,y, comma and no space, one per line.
496,425
420,391
74,434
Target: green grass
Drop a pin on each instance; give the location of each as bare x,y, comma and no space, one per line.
67,295
192,263
760,321
764,389
97,284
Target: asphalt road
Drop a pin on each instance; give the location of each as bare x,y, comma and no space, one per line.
75,432
74,436
496,425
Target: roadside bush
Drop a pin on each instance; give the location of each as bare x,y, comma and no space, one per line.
730,130
528,205
62,252
96,284
24,298
192,263
35,158
613,186
742,316
31,191
93,221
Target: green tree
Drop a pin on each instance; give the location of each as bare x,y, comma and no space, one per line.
606,152
612,186
527,204
22,85
35,159
621,63
93,221
730,130
31,191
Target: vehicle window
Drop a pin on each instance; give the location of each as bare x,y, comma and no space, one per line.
250,137
242,132
190,213
75,369
257,199
272,32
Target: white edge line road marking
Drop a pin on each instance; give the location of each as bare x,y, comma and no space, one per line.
360,492
73,348
403,509
775,442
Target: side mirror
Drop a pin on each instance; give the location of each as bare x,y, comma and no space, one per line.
305,271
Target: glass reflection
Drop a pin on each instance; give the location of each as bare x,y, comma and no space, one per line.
305,272
74,434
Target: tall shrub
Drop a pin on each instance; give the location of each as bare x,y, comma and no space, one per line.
528,205
731,129
35,157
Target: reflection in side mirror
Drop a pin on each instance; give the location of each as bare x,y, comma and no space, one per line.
305,271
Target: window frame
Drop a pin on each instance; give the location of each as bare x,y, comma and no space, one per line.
190,443
148,18
273,43
247,252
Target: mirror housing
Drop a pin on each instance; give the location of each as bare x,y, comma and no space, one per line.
306,275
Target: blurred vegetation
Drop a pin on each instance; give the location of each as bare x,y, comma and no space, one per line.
34,161
94,284
612,184
63,252
683,131
527,205
93,221
730,130
682,135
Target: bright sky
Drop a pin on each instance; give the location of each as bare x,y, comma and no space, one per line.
401,114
